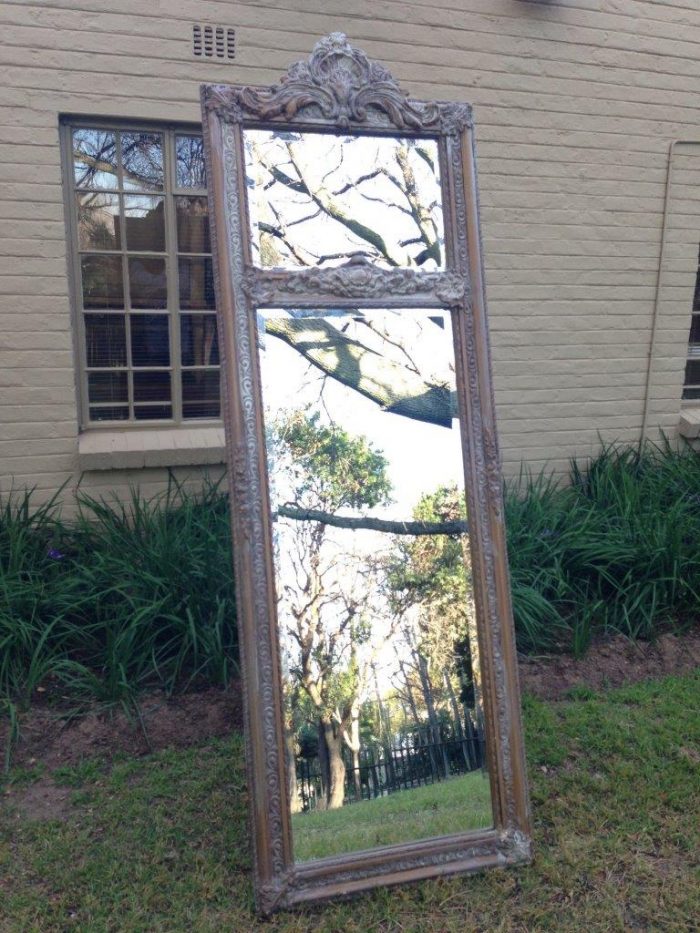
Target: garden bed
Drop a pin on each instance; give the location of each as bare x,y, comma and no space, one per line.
50,738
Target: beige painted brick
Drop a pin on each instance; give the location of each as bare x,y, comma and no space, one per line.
576,106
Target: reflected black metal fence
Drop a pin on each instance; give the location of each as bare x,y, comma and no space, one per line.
388,770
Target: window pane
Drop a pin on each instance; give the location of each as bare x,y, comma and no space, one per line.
152,387
201,410
105,339
199,341
189,152
692,373
152,412
695,329
95,159
142,161
144,219
102,281
192,225
111,413
149,340
196,283
108,387
148,285
200,385
98,220
691,393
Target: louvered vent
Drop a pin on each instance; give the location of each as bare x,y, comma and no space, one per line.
213,41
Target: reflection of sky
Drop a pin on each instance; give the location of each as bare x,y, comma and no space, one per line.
421,456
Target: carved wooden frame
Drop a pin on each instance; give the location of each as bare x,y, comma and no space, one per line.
340,88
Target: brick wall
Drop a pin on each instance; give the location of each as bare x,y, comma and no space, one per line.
576,104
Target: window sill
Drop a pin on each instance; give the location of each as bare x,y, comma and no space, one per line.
153,447
689,425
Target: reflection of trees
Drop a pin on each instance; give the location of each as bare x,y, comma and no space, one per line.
430,591
370,202
389,212
326,599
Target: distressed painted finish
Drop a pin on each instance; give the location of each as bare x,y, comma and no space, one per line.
339,87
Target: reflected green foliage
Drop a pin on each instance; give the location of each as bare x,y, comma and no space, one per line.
430,570
331,468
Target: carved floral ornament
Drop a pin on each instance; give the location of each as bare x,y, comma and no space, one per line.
358,279
341,85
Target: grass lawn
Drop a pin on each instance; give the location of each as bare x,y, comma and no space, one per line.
160,844
452,806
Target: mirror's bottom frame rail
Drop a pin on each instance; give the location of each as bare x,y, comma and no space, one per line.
344,876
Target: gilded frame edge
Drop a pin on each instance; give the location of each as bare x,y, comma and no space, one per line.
298,102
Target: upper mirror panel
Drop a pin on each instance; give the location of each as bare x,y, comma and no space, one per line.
318,199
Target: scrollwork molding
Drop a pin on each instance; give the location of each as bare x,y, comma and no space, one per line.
357,279
338,84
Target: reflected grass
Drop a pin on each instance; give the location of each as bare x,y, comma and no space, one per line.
457,805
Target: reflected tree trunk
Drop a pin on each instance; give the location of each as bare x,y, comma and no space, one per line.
295,803
433,722
332,760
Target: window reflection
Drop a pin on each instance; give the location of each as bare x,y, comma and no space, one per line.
196,283
102,281
99,225
142,160
189,154
95,158
145,223
199,344
148,286
129,192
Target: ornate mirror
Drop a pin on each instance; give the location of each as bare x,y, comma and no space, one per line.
382,710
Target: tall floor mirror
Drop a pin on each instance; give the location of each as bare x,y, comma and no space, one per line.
382,709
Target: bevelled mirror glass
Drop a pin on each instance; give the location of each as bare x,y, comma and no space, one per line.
377,650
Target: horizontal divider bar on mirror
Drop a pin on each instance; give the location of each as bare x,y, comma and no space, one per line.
357,283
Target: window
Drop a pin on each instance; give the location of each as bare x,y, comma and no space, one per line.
143,273
691,388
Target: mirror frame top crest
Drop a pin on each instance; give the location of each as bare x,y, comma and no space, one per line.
339,89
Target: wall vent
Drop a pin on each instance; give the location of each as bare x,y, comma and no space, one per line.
213,41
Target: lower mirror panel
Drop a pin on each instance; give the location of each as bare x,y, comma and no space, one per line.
383,710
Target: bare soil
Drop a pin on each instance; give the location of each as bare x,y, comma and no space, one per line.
610,663
49,740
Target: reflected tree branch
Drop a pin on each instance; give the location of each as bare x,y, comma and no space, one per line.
392,386
370,523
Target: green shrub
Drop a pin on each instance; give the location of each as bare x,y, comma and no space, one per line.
140,594
616,550
130,595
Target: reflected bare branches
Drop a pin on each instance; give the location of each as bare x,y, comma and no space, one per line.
318,200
